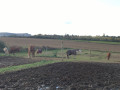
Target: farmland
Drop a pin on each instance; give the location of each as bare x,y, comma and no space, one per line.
98,50
25,42
51,69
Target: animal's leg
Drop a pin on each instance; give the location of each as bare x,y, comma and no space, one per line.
28,54
67,56
36,52
33,53
108,57
75,56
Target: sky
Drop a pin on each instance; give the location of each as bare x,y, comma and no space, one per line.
73,17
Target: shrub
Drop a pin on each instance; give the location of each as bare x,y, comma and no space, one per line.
2,45
55,53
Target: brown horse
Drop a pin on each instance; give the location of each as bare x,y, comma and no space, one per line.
31,50
14,49
108,55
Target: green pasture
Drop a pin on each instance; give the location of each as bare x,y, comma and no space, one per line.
85,55
60,56
25,66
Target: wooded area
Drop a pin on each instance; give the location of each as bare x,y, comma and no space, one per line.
77,37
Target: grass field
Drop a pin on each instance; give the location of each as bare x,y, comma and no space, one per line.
85,55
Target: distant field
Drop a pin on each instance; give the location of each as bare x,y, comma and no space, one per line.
101,42
25,42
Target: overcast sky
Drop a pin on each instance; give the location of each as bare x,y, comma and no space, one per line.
77,17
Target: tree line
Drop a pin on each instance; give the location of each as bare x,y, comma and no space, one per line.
77,37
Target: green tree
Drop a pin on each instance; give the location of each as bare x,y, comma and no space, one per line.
2,45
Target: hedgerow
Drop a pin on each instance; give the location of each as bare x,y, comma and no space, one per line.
2,45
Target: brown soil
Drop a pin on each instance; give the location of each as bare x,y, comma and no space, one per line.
6,61
25,42
64,75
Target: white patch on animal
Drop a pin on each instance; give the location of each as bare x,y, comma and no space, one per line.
6,50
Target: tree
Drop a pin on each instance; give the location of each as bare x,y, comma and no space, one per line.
2,45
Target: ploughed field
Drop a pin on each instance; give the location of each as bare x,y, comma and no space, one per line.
25,42
6,61
64,75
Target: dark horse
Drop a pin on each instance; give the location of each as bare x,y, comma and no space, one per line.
71,52
14,49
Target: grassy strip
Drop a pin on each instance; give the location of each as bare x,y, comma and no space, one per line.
102,42
106,42
25,66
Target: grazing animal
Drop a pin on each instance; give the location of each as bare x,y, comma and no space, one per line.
108,55
31,50
11,50
6,50
72,52
78,51
14,49
38,51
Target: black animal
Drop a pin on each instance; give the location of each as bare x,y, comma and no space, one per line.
71,52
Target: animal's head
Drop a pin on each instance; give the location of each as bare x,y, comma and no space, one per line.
4,49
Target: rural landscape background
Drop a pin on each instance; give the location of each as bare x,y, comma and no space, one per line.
51,69
76,44
86,46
